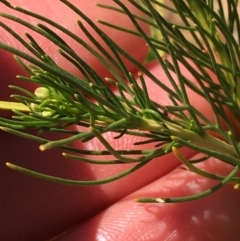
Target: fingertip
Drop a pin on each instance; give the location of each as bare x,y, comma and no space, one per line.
216,214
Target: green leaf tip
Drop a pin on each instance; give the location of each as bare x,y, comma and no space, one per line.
10,165
150,200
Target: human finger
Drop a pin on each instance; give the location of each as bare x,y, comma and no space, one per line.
215,217
81,201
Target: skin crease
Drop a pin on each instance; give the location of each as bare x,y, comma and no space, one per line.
33,209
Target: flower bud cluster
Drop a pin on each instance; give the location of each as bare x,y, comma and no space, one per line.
51,103
45,99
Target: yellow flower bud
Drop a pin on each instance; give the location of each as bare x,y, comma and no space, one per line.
42,93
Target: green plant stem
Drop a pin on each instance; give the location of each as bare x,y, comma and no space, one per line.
7,105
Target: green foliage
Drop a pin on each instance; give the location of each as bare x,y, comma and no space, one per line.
64,100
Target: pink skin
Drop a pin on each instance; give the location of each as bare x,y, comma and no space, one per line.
33,209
